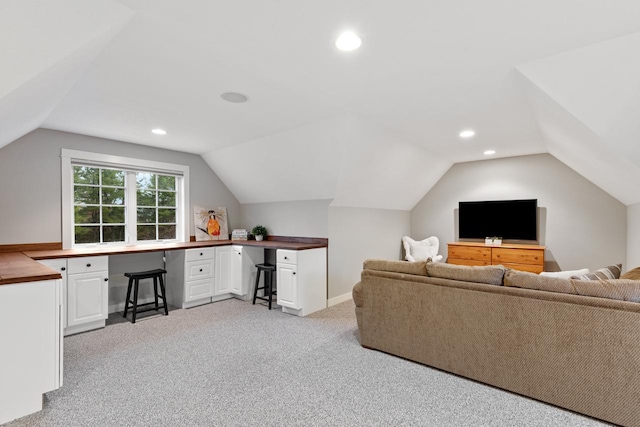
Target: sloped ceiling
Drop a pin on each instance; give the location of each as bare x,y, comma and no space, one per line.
45,47
372,128
587,102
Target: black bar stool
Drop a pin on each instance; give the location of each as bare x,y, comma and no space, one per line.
269,279
134,279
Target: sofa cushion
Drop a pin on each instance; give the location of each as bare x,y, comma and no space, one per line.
632,274
490,274
610,272
565,274
526,280
618,289
405,267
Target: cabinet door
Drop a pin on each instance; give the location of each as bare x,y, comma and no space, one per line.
87,297
235,271
287,286
223,266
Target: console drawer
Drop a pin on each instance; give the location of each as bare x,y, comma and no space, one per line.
470,262
470,252
517,256
531,268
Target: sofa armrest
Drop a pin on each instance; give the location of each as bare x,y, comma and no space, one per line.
357,294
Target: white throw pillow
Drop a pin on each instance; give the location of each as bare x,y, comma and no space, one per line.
565,274
420,250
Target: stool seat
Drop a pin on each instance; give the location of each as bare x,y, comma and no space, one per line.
269,270
134,282
146,274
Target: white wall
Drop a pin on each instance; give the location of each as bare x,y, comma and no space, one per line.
633,236
580,224
31,189
307,218
356,234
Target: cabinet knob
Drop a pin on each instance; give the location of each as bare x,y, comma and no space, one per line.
63,268
201,254
200,269
88,265
106,279
294,273
286,258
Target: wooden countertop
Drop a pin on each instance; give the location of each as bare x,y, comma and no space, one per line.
16,267
121,250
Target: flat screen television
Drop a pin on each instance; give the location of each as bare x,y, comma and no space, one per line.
509,219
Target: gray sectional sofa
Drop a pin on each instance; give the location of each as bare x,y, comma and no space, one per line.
576,346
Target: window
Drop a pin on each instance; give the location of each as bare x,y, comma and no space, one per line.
98,205
115,200
156,206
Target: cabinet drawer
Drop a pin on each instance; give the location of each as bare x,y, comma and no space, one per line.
525,267
60,265
199,269
517,256
470,252
286,256
198,289
470,262
87,264
196,254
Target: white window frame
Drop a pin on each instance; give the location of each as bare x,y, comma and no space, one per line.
71,157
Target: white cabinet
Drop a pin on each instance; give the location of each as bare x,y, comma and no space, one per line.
60,265
87,298
232,270
32,346
287,286
302,280
190,277
223,270
85,287
87,293
238,271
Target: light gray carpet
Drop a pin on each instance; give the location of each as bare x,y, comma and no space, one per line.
234,364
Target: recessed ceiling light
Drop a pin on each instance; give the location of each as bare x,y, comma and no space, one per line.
159,131
489,152
234,97
467,133
348,41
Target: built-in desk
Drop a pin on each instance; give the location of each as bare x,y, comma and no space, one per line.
37,301
197,273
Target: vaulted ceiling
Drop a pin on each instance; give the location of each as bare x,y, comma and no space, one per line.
376,127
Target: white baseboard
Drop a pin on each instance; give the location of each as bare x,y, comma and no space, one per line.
340,298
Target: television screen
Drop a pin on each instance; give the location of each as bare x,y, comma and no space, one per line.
509,219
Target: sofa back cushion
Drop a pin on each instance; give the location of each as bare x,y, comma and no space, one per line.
619,289
490,274
526,280
405,267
